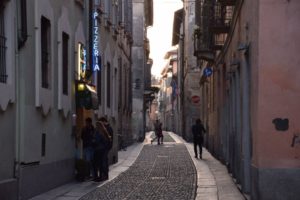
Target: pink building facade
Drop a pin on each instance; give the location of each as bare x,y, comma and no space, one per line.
251,102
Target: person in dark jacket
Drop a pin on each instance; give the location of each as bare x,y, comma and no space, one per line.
101,149
156,131
160,139
198,131
109,130
87,135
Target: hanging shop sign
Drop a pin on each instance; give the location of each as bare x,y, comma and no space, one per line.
96,56
207,71
81,61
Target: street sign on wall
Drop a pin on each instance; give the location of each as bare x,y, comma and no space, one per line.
195,99
207,71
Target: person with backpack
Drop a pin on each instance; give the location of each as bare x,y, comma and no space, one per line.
198,131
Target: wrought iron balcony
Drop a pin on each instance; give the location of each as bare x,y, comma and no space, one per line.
227,2
203,45
221,20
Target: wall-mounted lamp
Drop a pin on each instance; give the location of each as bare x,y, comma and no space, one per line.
80,87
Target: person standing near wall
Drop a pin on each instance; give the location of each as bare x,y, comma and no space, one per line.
109,130
87,135
102,145
198,131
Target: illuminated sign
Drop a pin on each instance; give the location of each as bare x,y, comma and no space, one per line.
81,61
96,63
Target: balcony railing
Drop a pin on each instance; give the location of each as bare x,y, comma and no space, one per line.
221,20
227,2
214,25
203,46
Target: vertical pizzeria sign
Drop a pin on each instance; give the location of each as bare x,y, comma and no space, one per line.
96,61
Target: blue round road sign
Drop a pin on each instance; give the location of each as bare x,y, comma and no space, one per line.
207,71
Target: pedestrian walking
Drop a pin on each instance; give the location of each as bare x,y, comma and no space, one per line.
198,131
101,149
160,136
87,135
156,130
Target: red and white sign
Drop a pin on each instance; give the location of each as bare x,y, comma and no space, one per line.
195,99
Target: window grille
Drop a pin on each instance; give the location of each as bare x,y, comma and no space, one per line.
3,75
65,60
45,47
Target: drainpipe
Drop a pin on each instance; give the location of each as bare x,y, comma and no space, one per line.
246,142
17,101
183,134
20,39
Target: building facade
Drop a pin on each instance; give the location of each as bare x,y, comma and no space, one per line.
37,63
188,68
142,18
250,98
60,62
113,80
168,92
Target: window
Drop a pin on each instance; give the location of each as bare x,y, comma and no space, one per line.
99,85
43,145
115,89
108,85
45,47
137,84
108,9
120,12
22,13
65,62
3,75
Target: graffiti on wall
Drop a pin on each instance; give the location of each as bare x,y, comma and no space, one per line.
295,140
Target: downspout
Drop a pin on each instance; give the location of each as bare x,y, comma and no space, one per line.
20,38
17,100
246,131
183,77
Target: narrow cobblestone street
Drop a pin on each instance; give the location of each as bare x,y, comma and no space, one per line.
150,171
160,172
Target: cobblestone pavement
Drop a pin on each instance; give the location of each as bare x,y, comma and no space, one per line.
160,172
167,137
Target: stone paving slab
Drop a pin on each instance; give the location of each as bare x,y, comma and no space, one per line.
160,172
